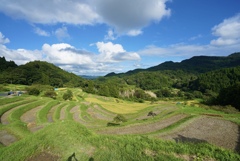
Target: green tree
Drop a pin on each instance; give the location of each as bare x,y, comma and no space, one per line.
68,95
230,96
119,118
33,91
50,94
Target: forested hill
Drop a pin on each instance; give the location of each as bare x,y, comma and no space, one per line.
6,64
196,64
201,64
39,72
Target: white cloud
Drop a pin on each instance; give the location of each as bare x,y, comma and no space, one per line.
110,52
110,35
49,12
3,40
179,52
62,33
61,54
126,17
41,32
134,32
20,56
228,32
109,58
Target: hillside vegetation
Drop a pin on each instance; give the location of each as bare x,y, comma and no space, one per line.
174,111
87,128
200,77
37,72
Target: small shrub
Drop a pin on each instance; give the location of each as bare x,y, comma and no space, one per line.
68,95
33,91
151,114
119,118
112,124
50,94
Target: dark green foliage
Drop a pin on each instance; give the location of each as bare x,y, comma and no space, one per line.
33,91
147,80
51,94
68,95
229,96
164,93
216,80
200,64
151,113
112,124
119,118
40,73
4,65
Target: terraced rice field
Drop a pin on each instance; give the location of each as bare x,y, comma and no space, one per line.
23,116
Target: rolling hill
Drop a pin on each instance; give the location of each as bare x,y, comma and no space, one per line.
38,72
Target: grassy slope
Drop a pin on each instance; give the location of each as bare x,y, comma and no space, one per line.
64,137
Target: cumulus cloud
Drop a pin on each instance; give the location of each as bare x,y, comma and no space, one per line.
50,12
130,16
3,40
78,61
20,56
41,32
228,32
110,35
61,54
126,17
110,52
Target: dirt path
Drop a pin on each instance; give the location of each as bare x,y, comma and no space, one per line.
76,112
51,112
97,113
4,118
208,129
30,116
62,113
6,138
31,119
145,128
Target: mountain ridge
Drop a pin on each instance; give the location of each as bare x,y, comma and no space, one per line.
195,64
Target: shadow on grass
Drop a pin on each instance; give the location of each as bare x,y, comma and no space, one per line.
73,158
184,139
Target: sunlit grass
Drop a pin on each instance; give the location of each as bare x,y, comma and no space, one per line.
122,107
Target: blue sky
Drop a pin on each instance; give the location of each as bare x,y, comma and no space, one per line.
96,37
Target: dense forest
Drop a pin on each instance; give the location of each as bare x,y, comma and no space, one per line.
36,72
215,80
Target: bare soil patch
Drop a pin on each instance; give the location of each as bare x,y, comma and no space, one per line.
144,128
76,112
44,156
30,116
62,113
7,138
50,113
98,113
215,131
4,118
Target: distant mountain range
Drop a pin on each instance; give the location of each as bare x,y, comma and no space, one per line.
90,77
196,64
